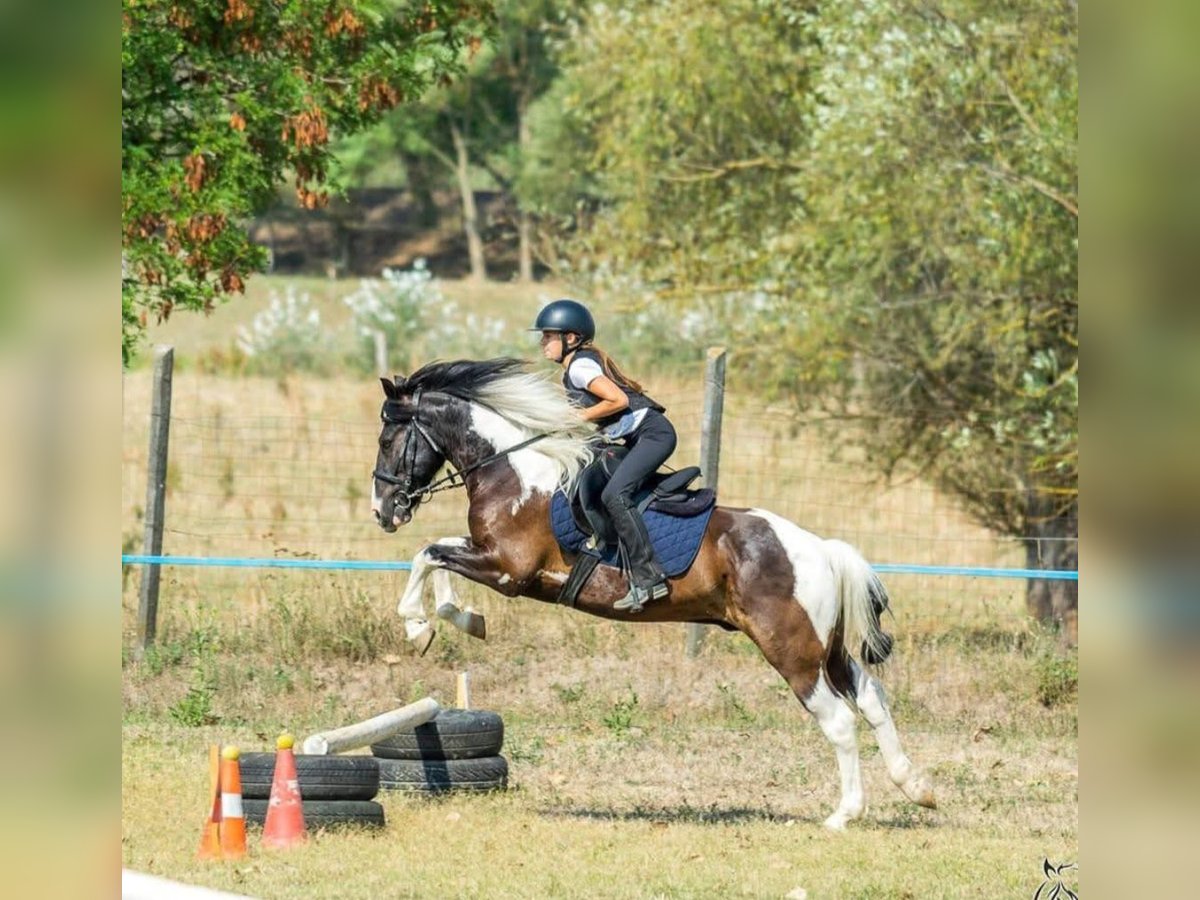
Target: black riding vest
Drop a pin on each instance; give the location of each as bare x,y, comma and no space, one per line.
580,397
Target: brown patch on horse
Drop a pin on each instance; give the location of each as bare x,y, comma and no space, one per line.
763,604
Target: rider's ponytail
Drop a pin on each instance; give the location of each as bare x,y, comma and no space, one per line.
613,371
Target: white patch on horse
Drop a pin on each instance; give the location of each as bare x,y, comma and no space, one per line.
537,472
559,577
376,500
813,581
504,579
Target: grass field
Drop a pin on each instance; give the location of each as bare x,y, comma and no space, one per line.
635,772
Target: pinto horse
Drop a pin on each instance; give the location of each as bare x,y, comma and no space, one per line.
812,606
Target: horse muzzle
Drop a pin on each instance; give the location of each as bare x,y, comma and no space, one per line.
393,515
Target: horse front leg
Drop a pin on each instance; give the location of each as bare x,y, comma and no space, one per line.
411,607
447,607
461,557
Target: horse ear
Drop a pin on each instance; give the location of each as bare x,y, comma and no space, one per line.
389,390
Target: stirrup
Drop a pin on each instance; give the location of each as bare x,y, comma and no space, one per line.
637,598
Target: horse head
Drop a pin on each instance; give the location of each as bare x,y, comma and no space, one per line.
409,454
472,414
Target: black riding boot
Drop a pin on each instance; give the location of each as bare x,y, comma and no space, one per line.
647,581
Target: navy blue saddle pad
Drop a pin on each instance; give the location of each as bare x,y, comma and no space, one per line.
675,540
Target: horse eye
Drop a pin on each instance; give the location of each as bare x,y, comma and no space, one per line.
385,442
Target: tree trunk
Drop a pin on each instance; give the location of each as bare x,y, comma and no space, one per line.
470,216
1053,544
524,226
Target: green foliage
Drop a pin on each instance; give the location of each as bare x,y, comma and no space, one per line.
1057,674
940,231
504,76
876,203
619,719
162,655
734,705
221,99
693,120
195,708
569,694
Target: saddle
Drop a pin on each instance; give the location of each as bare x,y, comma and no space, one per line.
676,518
664,492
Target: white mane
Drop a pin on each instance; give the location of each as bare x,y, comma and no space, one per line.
538,405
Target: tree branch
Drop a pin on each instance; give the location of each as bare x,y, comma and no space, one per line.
737,165
1041,187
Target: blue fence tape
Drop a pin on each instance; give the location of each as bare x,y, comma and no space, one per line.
977,571
387,565
240,562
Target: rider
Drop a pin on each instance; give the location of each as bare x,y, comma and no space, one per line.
623,412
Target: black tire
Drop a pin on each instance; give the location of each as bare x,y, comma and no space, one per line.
321,777
325,813
451,734
437,776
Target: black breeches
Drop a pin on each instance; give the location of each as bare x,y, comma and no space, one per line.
649,448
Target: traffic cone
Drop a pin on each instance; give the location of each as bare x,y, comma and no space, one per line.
284,826
233,819
210,839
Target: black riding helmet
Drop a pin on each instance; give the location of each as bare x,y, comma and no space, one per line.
564,316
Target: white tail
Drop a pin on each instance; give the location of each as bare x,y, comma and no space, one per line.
862,598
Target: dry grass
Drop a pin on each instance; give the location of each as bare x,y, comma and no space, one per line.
711,783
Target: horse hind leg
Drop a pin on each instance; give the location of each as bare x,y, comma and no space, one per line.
790,644
838,722
914,782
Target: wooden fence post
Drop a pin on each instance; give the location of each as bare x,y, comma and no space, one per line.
156,489
710,451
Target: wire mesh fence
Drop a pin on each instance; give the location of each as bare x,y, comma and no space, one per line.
281,468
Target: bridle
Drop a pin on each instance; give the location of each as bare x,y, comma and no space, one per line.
408,498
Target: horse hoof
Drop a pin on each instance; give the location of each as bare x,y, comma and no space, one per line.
474,624
836,822
464,620
919,789
423,639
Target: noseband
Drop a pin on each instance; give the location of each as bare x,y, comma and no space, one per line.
407,497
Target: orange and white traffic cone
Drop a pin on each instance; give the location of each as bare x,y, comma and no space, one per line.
233,819
210,840
284,826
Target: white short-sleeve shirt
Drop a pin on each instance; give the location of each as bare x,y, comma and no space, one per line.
582,372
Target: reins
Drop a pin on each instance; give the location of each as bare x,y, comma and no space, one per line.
455,479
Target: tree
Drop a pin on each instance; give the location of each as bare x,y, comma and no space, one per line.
480,122
667,147
882,197
222,99
941,232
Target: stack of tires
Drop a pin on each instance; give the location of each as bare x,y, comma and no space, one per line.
457,750
334,790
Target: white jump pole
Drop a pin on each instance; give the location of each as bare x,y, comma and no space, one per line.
139,886
376,729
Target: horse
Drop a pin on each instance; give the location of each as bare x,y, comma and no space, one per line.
812,606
